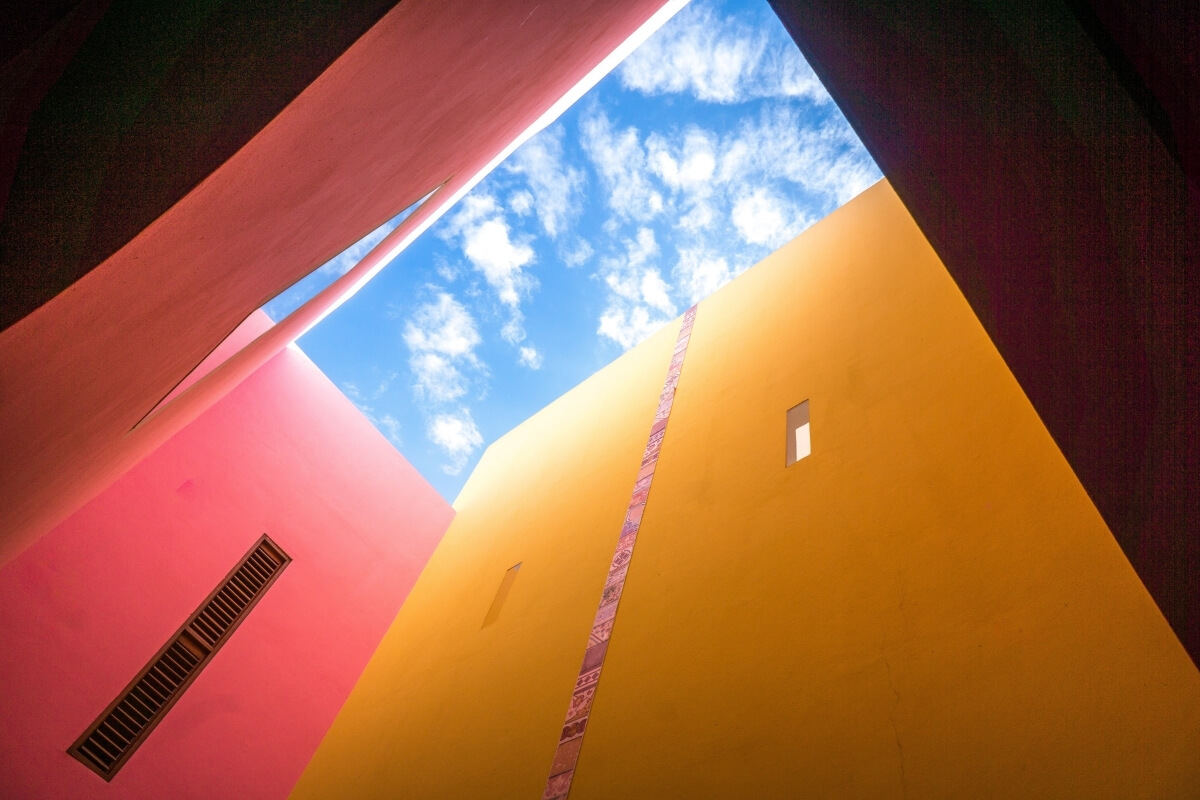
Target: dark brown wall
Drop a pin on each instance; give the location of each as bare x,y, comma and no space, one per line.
117,110
1045,150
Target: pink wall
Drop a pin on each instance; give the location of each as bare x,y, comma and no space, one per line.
372,135
83,609
245,333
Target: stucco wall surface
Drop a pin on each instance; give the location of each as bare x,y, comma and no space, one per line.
450,708
83,610
927,606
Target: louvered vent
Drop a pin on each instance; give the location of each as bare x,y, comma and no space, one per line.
107,744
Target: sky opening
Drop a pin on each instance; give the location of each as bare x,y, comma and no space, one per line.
311,284
708,148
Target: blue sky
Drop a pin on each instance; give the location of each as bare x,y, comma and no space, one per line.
709,147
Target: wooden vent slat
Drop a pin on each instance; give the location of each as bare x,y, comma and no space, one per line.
207,633
109,741
239,591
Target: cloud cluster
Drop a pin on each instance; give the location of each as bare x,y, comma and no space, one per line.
620,160
719,200
441,336
458,437
821,156
720,60
761,216
554,188
530,357
655,215
639,300
487,241
700,272
762,170
550,189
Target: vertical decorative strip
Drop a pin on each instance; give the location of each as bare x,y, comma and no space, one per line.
558,785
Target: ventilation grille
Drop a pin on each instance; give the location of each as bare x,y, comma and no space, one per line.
107,744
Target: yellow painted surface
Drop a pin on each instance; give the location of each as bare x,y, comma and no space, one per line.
928,606
450,709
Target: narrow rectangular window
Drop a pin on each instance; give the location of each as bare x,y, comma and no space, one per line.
799,437
498,601
109,741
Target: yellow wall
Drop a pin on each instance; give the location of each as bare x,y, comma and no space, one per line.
927,606
449,708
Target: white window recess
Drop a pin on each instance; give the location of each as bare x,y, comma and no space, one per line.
799,435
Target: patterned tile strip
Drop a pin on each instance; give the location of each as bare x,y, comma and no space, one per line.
571,740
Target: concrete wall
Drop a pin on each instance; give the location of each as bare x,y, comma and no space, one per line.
83,610
927,606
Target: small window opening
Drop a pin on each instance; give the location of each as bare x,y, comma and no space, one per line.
799,437
501,594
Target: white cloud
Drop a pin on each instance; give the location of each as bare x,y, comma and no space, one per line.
691,167
795,76
621,163
703,172
578,255
530,357
639,249
700,273
762,217
487,242
698,218
628,325
729,198
350,389
654,292
444,270
440,335
630,278
555,186
437,380
500,260
825,159
513,331
382,387
720,60
521,202
687,167
457,436
639,300
443,326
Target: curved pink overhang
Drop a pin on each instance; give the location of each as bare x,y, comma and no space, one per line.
432,94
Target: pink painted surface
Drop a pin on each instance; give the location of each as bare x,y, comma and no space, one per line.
250,329
579,710
372,135
83,609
